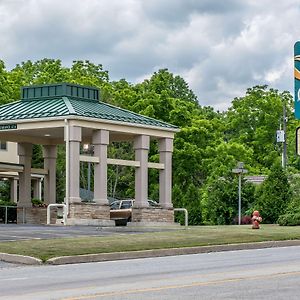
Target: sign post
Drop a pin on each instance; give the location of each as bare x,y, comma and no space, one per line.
239,171
297,79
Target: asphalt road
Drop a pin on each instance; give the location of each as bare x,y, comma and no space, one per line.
249,274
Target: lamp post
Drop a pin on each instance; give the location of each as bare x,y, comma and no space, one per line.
239,171
87,148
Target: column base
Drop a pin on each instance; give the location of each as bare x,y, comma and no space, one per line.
25,205
35,215
153,215
101,201
74,200
167,205
88,211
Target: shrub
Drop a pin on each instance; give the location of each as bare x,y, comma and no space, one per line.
37,203
289,219
245,220
274,195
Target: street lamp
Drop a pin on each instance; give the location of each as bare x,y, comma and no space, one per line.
239,171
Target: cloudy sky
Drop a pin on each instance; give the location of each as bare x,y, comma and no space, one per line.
220,47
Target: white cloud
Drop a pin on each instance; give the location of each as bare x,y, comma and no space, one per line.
220,48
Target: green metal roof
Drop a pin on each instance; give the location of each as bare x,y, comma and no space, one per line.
58,100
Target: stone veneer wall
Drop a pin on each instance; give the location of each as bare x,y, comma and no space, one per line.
150,214
83,210
35,215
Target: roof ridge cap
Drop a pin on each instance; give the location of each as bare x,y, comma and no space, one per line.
69,105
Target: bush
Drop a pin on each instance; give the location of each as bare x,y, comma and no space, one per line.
37,203
289,219
274,195
245,220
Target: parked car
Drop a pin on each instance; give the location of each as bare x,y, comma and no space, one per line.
122,209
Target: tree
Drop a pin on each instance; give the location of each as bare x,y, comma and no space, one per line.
274,195
253,120
5,85
220,200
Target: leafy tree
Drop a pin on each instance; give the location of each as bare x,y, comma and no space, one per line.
220,200
253,120
5,85
274,195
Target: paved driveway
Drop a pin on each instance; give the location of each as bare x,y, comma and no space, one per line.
13,232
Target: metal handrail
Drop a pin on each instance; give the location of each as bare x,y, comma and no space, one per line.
186,215
64,206
6,207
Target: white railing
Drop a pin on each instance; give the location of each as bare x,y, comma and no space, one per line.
186,215
64,206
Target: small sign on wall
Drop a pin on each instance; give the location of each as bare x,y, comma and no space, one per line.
8,126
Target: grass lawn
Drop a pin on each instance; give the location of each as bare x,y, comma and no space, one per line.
193,236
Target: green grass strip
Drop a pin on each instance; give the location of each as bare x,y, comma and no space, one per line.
191,237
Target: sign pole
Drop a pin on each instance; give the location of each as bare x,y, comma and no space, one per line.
240,171
240,196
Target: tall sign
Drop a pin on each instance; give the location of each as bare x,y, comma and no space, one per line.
297,78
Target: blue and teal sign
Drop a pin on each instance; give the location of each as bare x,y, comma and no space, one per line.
297,78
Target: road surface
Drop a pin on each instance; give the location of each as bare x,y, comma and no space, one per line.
249,274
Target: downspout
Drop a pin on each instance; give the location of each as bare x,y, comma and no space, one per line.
67,166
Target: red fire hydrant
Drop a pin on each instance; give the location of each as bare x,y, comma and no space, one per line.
256,219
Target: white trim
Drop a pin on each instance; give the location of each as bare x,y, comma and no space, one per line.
122,162
88,158
81,118
39,171
11,167
159,166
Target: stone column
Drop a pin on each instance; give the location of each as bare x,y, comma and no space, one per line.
50,154
37,189
165,175
25,154
74,164
14,190
100,142
141,147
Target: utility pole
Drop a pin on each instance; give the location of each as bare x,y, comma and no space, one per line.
284,151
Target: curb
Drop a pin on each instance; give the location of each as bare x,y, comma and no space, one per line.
101,257
20,259
167,252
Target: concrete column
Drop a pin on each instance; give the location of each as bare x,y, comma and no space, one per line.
141,147
14,190
25,154
165,175
37,191
49,154
100,142
74,165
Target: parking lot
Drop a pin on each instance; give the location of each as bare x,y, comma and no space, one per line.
14,232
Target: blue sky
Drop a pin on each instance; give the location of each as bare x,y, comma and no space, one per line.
220,47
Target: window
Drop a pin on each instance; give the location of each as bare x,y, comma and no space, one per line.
126,204
115,205
3,145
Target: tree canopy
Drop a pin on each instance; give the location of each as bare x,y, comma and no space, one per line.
207,147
